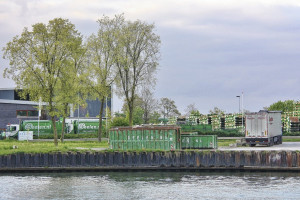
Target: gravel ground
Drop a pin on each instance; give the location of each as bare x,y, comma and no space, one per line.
285,146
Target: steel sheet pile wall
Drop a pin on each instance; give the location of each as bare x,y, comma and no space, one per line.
145,137
285,160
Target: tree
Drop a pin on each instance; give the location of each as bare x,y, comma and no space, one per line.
101,51
284,106
217,111
168,108
70,85
191,109
148,104
137,61
154,117
38,59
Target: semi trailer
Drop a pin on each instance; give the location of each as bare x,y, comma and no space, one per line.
263,127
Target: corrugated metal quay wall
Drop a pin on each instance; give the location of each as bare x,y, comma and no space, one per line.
274,160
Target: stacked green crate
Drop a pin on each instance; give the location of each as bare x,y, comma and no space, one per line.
172,121
215,121
203,119
239,121
192,120
229,121
286,122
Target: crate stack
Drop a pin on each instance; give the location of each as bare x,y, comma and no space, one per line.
192,119
215,121
285,120
296,112
238,121
172,121
203,119
230,121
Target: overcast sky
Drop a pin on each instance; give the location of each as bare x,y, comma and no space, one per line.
212,50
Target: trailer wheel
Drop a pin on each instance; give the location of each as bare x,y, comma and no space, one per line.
271,143
280,140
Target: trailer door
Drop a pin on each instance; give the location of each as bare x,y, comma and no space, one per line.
262,125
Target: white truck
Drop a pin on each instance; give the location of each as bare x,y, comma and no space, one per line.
263,127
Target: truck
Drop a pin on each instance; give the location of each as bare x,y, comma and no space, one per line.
44,127
263,127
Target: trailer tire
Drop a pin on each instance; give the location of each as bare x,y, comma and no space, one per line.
271,142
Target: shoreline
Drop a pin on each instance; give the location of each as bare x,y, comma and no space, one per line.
212,160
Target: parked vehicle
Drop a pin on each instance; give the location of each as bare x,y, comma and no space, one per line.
263,127
44,127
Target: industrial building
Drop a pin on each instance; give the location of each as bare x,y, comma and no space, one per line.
13,109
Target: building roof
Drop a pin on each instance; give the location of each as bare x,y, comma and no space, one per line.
19,102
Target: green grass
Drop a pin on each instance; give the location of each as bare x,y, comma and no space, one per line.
6,146
291,140
225,142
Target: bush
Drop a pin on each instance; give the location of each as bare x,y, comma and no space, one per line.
291,134
68,136
119,121
223,133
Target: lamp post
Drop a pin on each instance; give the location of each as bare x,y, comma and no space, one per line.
239,103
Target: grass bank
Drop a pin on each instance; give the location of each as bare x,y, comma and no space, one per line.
14,146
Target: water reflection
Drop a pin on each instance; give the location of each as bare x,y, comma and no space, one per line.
151,185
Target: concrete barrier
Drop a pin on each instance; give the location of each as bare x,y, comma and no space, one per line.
177,160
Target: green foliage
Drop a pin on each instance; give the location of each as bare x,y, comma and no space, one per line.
168,108
223,133
284,106
6,146
138,54
41,63
119,121
137,116
291,134
154,118
195,113
217,111
69,136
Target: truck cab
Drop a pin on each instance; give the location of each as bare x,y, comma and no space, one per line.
12,130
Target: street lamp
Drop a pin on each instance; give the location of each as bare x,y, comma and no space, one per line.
239,103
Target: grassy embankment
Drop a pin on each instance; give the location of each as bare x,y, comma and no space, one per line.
14,146
7,146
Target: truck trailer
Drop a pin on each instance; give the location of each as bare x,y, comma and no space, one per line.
44,127
263,127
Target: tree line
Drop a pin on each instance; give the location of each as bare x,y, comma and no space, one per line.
55,63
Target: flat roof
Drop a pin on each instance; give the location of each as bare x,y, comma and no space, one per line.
19,102
12,88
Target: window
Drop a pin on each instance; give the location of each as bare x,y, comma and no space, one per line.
27,113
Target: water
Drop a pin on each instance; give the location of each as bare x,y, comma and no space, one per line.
151,185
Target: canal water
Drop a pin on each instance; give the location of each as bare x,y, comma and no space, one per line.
151,185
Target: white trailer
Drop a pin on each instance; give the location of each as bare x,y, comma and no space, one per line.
263,127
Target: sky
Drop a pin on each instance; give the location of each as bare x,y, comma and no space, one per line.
212,50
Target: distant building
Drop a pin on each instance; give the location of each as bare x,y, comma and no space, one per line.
13,109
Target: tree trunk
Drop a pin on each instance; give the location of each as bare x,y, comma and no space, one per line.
63,130
130,108
54,131
100,119
63,124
